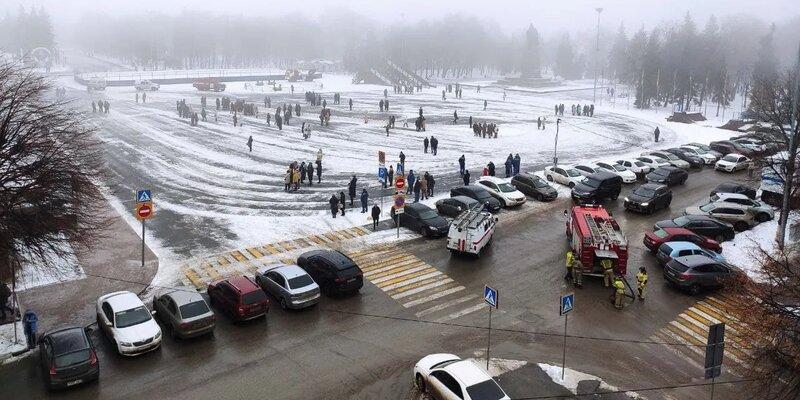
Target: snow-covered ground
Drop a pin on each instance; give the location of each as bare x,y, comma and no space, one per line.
211,194
745,249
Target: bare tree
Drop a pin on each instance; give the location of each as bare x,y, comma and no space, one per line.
48,163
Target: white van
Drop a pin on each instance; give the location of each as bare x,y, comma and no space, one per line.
470,232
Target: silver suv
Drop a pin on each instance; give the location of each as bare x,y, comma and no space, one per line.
740,216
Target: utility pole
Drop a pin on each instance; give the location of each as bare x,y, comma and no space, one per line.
555,147
791,159
658,79
596,55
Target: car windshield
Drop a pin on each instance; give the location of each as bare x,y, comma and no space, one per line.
702,146
660,172
644,192
681,221
131,317
639,164
65,360
506,188
730,158
254,297
619,168
486,390
193,309
661,233
539,183
672,157
428,214
591,182
482,196
707,207
300,281
573,173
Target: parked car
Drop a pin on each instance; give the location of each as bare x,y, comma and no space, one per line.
649,198
726,147
740,216
597,187
127,323
690,157
668,251
732,163
733,187
707,157
421,219
96,84
755,145
763,212
209,86
707,149
68,358
534,186
453,206
616,169
508,195
585,169
654,239
147,85
333,271
291,285
563,175
636,166
239,297
702,225
672,159
697,272
448,377
185,314
668,175
478,193
653,162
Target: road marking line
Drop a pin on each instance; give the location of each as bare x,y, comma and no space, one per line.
688,334
361,231
301,243
223,261
434,296
286,244
316,239
213,274
395,261
421,289
331,236
392,274
346,234
445,305
462,312
389,269
408,280
238,256
271,249
254,252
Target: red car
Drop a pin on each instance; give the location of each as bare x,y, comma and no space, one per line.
239,297
654,239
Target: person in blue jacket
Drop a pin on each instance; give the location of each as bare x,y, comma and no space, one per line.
30,324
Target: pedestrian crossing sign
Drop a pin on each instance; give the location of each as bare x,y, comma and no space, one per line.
490,296
143,196
567,303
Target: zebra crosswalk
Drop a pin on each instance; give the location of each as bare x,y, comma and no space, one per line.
416,285
691,328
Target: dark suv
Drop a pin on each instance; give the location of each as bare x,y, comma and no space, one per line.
239,297
695,273
667,175
597,187
478,193
67,358
649,198
532,185
333,271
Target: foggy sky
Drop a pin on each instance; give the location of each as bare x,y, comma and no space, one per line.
510,16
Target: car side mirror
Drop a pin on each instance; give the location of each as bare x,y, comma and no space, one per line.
152,312
109,324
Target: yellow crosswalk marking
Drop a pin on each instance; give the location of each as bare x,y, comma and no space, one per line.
254,252
287,245
271,249
408,278
316,239
223,261
396,262
238,256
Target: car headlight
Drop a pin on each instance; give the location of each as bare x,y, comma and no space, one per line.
626,199
645,204
126,344
158,335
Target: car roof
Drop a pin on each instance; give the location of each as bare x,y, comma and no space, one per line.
694,260
720,204
463,199
653,186
730,185
418,206
68,339
682,245
734,154
727,195
182,297
242,284
289,271
473,188
339,260
120,301
491,179
679,231
466,372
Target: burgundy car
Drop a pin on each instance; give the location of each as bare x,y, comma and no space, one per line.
239,297
654,239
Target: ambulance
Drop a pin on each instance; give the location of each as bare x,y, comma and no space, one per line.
470,232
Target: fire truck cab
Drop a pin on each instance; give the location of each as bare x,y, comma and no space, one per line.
594,236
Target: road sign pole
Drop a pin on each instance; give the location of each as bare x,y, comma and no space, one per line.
564,352
142,243
489,341
712,387
397,222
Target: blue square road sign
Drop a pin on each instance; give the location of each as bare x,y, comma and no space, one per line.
567,303
143,196
490,296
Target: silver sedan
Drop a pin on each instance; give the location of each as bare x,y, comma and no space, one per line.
292,286
184,313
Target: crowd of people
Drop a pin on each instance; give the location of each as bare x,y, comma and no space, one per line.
483,129
297,173
102,106
586,110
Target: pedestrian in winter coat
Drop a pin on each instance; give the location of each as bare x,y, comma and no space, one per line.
656,134
455,117
517,161
539,123
461,163
470,121
411,179
342,204
425,144
350,103
431,182
485,103
466,177
287,179
30,324
434,145
351,189
380,105
250,143
334,203
417,189
491,168
485,171
403,160
94,107
296,179
364,200
386,105
423,186
509,165
302,172
376,215
310,172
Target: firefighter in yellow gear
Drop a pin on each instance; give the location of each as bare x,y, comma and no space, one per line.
570,263
577,273
641,280
608,271
619,292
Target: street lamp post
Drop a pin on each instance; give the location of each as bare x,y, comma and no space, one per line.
596,55
555,147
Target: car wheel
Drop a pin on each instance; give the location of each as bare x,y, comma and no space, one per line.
763,217
720,238
283,303
740,226
503,203
571,185
538,197
550,178
421,384
694,290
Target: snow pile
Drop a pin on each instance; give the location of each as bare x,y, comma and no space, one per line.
9,347
744,250
60,269
572,378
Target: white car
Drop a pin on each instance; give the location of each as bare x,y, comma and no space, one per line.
635,166
671,158
146,85
508,195
750,143
707,157
763,212
128,323
653,162
732,162
448,377
586,169
616,169
565,176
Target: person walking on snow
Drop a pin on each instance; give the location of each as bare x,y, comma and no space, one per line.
423,186
509,164
656,134
411,179
310,173
350,102
391,175
334,203
342,204
417,189
485,103
376,215
403,160
351,189
461,163
491,168
250,143
30,323
517,162
465,177
455,117
434,145
364,200
425,144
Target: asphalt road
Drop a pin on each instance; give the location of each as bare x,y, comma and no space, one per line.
365,346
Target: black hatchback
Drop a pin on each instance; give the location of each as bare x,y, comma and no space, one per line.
649,198
667,175
693,160
597,187
333,271
422,219
532,185
733,187
478,193
68,358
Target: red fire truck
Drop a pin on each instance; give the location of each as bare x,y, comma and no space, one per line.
594,235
